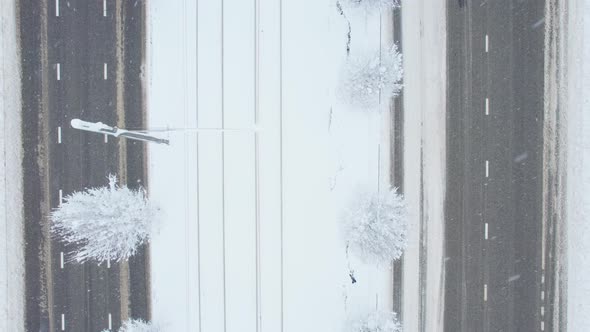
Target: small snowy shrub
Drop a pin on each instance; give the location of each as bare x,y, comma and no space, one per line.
375,227
366,78
371,5
137,325
376,321
107,223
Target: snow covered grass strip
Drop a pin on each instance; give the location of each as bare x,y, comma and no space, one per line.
368,78
107,223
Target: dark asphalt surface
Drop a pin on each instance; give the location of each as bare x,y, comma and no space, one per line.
81,40
509,200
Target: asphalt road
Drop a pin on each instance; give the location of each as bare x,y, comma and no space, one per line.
70,58
494,276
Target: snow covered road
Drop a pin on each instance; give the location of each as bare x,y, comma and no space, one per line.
424,44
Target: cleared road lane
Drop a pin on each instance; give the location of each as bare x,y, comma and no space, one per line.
493,221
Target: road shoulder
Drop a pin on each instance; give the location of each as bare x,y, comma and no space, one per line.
424,40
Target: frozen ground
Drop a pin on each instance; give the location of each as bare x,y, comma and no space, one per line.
251,236
577,111
11,225
424,47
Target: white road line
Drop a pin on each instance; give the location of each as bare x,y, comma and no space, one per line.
63,322
106,138
542,326
61,197
56,8
542,310
543,278
58,71
108,263
59,135
487,168
110,322
542,295
486,231
485,292
487,106
104,8
104,71
538,23
487,43
61,259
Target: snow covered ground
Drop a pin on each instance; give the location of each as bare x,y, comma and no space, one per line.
577,108
251,237
424,48
11,226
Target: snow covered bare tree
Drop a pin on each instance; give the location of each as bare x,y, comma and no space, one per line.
375,227
365,79
376,321
107,223
371,5
137,325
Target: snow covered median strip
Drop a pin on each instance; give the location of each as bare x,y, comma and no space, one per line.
250,239
12,294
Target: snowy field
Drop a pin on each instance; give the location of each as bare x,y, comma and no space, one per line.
251,237
577,110
424,47
11,210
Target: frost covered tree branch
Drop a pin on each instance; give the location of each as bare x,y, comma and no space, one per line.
137,325
375,227
107,223
376,321
366,79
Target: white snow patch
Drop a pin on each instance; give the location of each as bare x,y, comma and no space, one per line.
11,207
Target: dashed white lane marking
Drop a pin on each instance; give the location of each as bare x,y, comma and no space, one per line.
485,292
542,310
58,71
56,8
487,168
63,322
487,106
61,197
61,259
487,43
59,135
110,322
104,8
542,278
106,138
542,326
486,231
108,264
538,23
542,295
104,71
